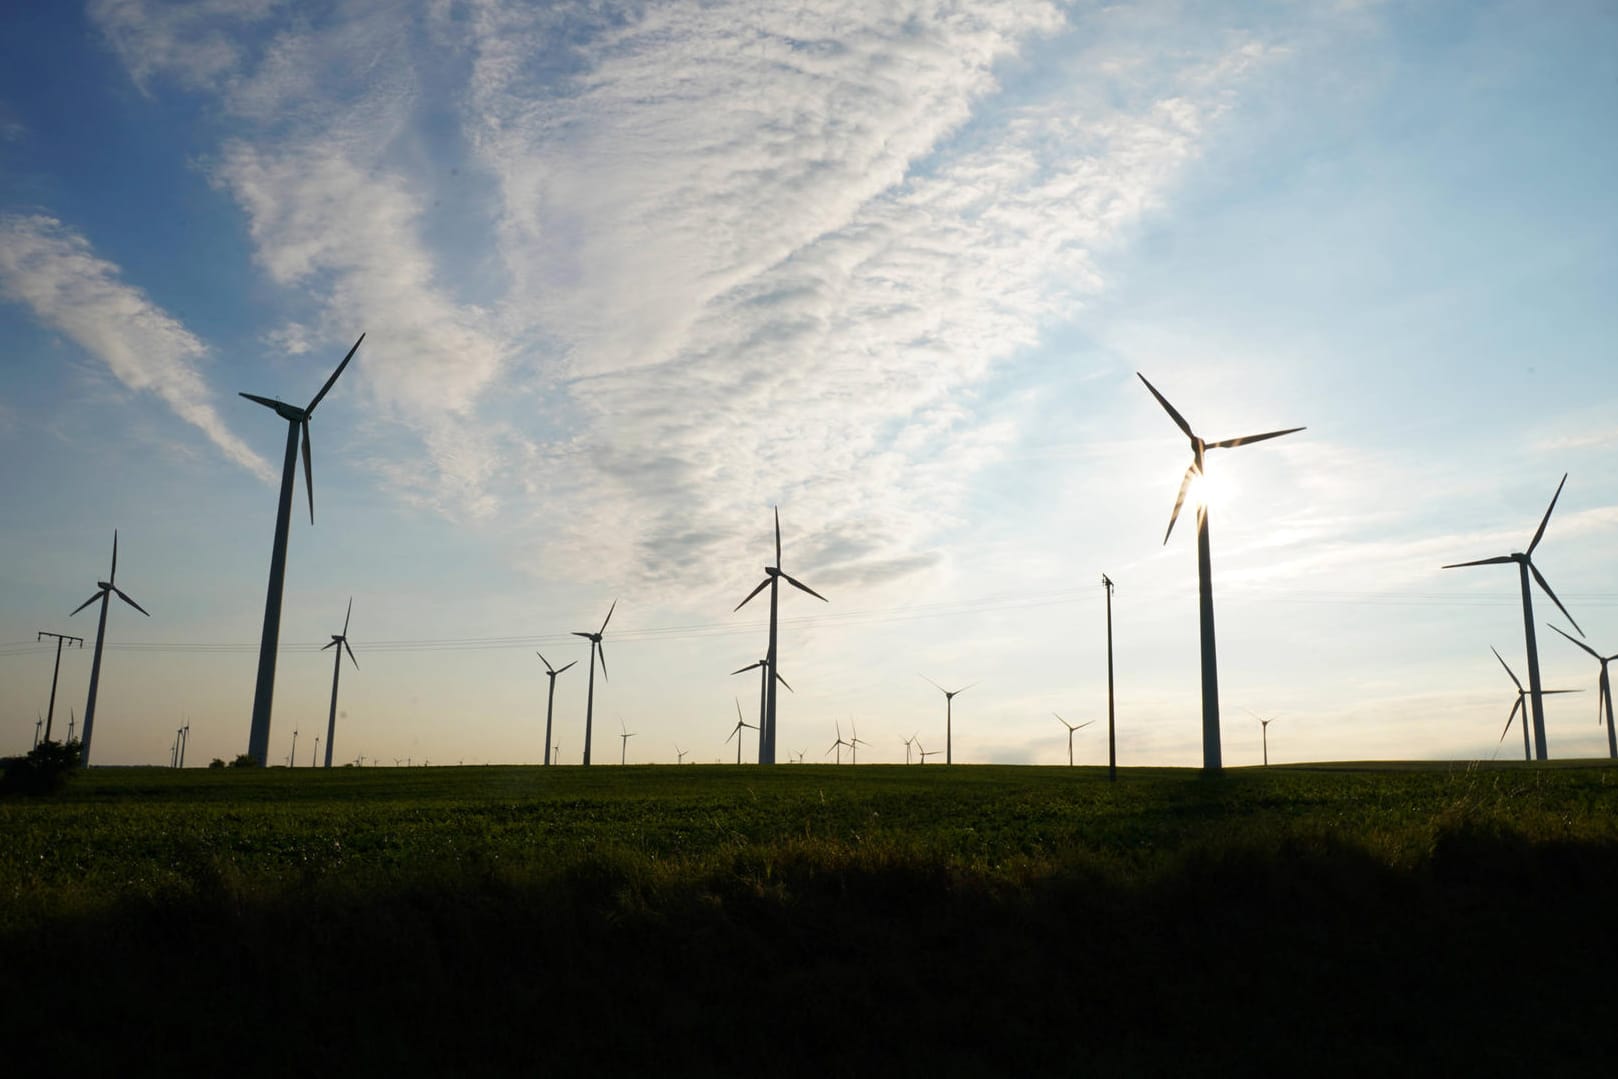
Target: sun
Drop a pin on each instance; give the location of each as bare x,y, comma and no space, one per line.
1208,489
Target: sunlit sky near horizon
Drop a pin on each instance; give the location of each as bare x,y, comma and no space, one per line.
632,274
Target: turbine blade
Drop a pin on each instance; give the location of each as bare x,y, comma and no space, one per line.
964,688
935,685
1232,443
85,604
778,537
1481,562
333,644
350,652
749,667
587,636
1179,500
1574,639
569,665
327,387
607,619
265,401
1083,725
1546,586
794,582
783,681
1063,722
1511,719
762,585
1502,660
113,574
308,471
130,602
602,652
1164,401
347,616
738,701
545,661
1538,534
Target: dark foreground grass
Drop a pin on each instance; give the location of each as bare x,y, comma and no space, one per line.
879,920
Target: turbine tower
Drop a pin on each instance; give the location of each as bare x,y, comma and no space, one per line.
590,696
550,700
949,704
764,668
1211,758
909,744
258,735
1265,724
1070,729
854,742
1522,694
339,641
1525,567
772,579
1112,730
737,729
104,592
838,745
1604,691
623,750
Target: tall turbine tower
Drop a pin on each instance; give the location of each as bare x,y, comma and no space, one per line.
550,700
1603,690
339,641
949,705
763,666
590,697
258,735
772,579
1525,566
1211,758
104,592
1112,730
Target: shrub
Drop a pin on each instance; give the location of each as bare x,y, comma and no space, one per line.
216,763
44,770
244,760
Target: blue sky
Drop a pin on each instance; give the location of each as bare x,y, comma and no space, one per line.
633,274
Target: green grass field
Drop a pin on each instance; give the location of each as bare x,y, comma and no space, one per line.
814,919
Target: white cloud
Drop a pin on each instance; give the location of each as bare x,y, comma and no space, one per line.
196,43
54,271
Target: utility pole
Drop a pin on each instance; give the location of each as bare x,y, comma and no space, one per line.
1112,736
60,637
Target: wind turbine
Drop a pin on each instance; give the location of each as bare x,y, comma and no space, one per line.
772,580
623,749
292,754
1604,689
258,735
70,721
854,742
679,754
1265,723
737,729
1211,759
550,700
185,740
949,704
1070,729
1525,566
909,742
925,753
39,728
339,641
1521,694
104,592
590,697
764,668
838,745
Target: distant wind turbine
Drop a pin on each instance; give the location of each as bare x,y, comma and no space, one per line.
339,641
623,749
764,668
838,745
258,735
1265,723
1211,757
679,754
590,696
772,580
1525,566
550,699
854,742
1603,690
1522,695
924,753
737,729
104,592
185,740
39,730
909,743
1070,729
292,754
70,721
949,705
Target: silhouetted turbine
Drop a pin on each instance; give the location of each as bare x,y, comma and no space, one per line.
1525,566
1521,694
772,580
623,750
1603,691
104,592
1070,729
737,729
679,754
854,742
909,742
258,735
550,699
339,641
763,666
1265,724
838,745
1211,756
590,696
949,702
924,753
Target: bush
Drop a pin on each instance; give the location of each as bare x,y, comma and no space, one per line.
243,760
216,763
44,770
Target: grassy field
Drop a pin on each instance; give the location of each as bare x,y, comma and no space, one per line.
733,920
